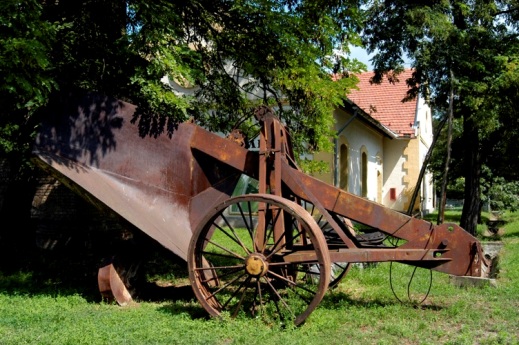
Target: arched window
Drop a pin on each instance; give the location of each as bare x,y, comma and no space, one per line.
343,160
364,180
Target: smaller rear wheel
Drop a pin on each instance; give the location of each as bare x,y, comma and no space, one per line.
338,269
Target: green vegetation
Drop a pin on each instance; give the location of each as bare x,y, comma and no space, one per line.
230,56
361,310
464,55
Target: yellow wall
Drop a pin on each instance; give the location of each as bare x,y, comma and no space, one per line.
412,168
328,159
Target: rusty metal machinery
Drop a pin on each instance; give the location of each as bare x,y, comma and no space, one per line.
272,254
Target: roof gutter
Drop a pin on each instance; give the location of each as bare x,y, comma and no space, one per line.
369,119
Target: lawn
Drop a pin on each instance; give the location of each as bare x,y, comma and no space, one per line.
363,309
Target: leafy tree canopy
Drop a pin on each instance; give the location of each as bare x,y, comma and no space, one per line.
469,47
237,54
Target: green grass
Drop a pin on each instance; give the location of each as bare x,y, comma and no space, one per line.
362,310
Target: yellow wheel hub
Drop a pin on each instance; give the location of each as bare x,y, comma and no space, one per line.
256,265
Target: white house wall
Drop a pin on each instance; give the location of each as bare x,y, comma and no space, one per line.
357,136
427,193
394,173
425,135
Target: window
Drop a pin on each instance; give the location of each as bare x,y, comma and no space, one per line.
364,181
392,194
343,161
246,185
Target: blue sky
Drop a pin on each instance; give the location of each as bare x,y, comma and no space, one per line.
361,55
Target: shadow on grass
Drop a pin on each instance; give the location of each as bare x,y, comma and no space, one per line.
51,274
30,283
177,300
332,299
507,235
155,293
509,230
194,310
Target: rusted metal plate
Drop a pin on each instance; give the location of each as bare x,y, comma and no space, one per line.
374,255
98,151
459,251
164,185
112,287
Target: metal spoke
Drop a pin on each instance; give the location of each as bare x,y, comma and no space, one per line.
237,238
234,238
279,298
290,282
220,276
223,248
276,251
237,309
340,266
273,223
282,263
248,283
219,255
257,293
224,286
218,267
247,225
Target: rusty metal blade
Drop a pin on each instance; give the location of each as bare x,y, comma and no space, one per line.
112,287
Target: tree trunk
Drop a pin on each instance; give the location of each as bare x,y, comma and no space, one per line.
470,213
443,193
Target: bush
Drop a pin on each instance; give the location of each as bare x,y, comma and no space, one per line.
502,195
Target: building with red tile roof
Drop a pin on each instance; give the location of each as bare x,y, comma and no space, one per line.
381,144
385,102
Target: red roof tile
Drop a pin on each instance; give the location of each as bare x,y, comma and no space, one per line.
384,102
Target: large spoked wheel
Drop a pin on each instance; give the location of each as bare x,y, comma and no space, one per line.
263,251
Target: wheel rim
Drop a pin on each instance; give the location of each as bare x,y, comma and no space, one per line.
253,277
338,269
